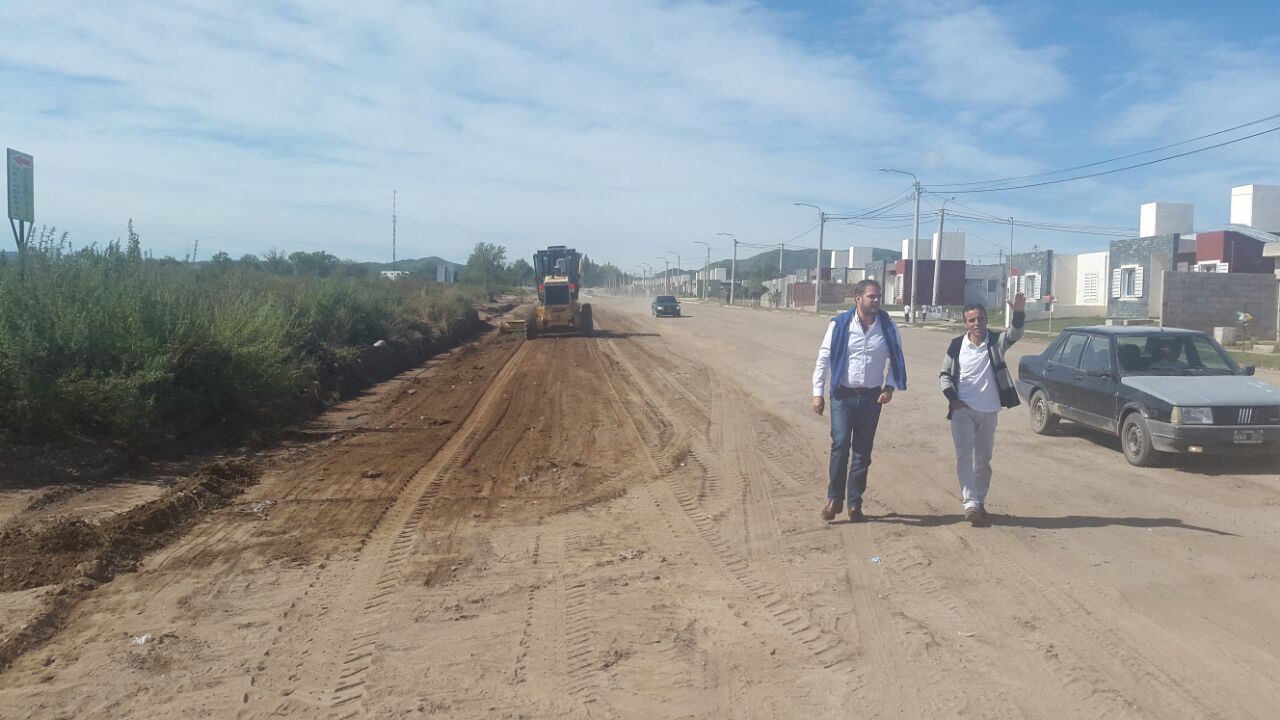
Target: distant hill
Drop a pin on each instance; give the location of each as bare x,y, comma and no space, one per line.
417,266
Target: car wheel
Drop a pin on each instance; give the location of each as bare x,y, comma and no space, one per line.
1043,421
1136,441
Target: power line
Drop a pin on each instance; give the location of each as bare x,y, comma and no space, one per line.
1120,169
1114,159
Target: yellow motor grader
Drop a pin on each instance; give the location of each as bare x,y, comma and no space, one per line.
557,272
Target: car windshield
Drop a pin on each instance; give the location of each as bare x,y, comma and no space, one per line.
665,300
1168,354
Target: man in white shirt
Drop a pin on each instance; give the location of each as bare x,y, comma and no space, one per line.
976,382
861,345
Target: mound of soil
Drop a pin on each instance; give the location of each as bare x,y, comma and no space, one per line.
53,552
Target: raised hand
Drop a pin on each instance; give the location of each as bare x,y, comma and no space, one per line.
1018,303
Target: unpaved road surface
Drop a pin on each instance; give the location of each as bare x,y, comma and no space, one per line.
627,526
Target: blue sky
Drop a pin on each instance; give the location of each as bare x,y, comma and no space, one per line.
626,129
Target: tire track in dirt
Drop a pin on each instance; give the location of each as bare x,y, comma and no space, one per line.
1078,683
790,620
340,625
1083,683
382,562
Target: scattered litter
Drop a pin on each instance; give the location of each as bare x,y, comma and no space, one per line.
875,559
259,508
372,473
632,554
967,634
380,343
413,391
143,639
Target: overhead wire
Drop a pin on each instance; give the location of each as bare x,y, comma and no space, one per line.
1113,170
1115,159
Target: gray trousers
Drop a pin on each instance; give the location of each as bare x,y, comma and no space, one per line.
974,434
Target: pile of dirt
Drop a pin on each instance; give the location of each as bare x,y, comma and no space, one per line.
67,547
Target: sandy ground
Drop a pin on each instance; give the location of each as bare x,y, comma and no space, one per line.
627,526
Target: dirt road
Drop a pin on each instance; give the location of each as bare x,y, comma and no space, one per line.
627,526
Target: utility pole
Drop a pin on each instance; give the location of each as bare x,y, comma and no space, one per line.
666,273
393,230
817,281
1009,290
915,258
937,253
679,269
733,268
915,246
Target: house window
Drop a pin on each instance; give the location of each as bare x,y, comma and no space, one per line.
1090,294
1212,266
1031,286
1126,282
993,285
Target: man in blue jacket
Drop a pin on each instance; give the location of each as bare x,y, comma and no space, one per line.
862,350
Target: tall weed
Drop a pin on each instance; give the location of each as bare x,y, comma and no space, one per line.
106,344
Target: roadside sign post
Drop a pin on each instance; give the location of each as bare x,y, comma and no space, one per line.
20,169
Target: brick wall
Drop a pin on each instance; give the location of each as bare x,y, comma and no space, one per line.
1203,301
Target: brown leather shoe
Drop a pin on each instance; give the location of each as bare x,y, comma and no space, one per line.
833,508
855,514
976,518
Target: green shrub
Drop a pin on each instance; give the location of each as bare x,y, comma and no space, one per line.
106,344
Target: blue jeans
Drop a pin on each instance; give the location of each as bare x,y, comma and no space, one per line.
854,418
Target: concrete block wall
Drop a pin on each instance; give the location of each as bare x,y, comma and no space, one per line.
1038,261
1203,301
1140,252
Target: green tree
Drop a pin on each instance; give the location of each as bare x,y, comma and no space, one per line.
277,262
314,264
520,272
135,244
486,264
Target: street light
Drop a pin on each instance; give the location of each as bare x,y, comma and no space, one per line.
733,268
706,270
915,244
679,269
648,278
817,282
666,273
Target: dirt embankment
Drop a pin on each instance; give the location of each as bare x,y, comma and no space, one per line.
75,517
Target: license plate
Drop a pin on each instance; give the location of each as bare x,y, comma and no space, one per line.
1248,437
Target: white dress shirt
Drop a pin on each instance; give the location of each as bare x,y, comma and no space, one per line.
977,387
868,357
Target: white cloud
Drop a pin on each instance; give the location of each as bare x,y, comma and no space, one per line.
626,128
971,56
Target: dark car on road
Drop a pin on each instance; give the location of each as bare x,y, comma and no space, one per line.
665,305
1161,390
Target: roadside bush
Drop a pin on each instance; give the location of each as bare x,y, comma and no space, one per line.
105,344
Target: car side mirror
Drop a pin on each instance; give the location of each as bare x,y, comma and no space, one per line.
1248,369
